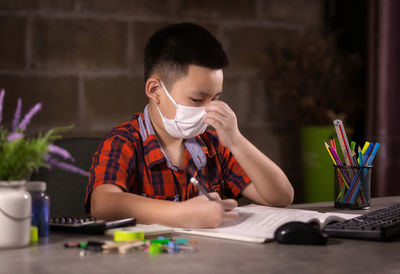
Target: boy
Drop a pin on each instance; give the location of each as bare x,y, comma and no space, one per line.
143,167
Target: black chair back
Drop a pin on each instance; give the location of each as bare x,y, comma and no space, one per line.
67,190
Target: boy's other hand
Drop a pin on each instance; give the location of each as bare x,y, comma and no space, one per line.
203,213
221,117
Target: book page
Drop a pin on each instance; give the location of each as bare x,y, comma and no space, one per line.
326,218
263,221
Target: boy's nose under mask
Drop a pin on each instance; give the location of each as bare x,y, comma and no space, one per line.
188,121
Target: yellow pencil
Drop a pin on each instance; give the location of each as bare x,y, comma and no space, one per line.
330,154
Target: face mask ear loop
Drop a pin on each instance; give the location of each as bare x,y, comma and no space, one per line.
168,94
172,100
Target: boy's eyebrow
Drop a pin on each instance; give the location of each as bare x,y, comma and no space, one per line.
206,94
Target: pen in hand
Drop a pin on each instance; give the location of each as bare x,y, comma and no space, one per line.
230,213
201,188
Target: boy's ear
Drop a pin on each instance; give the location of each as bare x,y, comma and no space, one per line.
152,89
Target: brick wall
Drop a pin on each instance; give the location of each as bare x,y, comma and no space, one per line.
83,60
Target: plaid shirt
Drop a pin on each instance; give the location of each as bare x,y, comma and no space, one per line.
131,157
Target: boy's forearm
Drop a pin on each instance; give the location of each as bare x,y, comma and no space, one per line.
269,180
119,205
109,202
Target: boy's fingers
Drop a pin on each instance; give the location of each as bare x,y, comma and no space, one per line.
217,106
217,114
230,215
213,122
217,118
215,196
229,204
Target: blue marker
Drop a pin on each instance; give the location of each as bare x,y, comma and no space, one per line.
360,158
371,158
368,152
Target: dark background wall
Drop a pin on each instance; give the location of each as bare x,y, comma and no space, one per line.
83,60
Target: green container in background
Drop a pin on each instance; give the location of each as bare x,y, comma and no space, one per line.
317,164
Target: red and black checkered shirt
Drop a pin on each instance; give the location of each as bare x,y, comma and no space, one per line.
131,157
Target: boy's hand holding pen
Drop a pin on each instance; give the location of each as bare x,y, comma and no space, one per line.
209,210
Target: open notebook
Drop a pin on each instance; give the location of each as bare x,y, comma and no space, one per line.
256,223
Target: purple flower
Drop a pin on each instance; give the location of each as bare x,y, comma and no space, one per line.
14,136
2,92
24,123
56,150
65,166
17,115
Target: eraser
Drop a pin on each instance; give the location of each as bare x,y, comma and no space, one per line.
124,236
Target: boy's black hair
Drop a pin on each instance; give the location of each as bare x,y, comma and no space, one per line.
171,50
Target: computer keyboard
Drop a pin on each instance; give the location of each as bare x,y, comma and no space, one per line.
87,225
379,225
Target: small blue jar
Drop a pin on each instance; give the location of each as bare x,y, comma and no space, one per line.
40,207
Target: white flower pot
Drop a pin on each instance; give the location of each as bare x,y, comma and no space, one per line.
15,214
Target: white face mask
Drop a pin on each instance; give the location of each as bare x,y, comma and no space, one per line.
188,121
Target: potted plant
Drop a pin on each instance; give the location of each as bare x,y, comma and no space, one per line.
311,82
19,157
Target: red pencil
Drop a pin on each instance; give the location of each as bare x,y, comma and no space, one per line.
333,144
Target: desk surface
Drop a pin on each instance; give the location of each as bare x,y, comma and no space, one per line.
214,256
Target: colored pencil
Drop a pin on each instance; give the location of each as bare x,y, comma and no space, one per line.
333,144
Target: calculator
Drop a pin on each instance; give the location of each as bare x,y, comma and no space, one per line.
87,225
